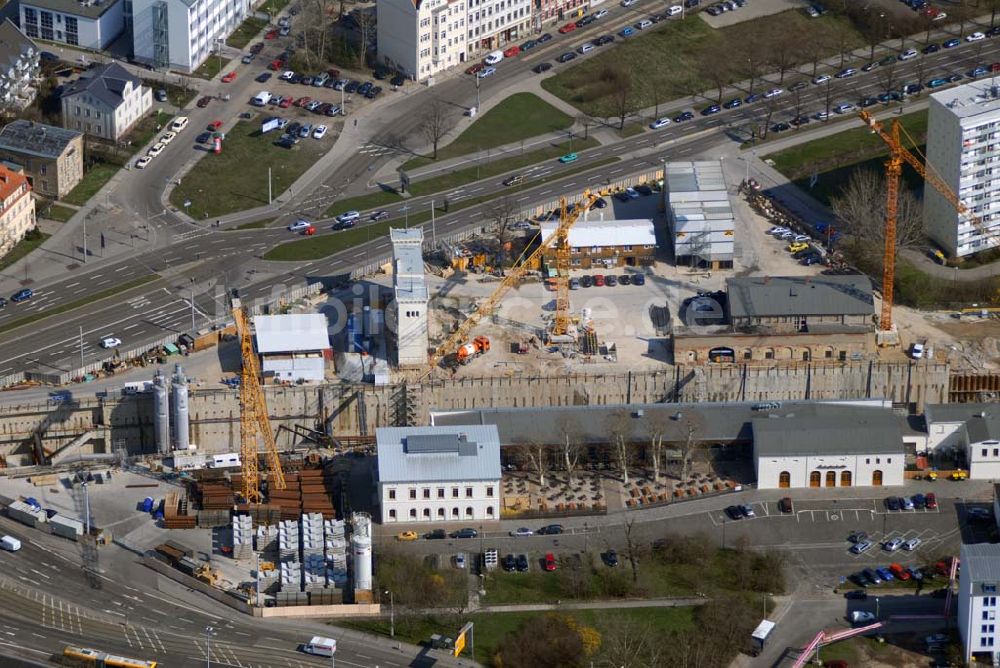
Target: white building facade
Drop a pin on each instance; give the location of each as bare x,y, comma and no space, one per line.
963,148
293,347
977,601
408,311
182,34
439,474
966,431
423,37
105,102
819,451
19,67
17,209
89,24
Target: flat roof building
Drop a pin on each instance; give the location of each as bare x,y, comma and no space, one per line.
438,474
700,217
977,602
293,347
408,311
91,24
607,243
963,150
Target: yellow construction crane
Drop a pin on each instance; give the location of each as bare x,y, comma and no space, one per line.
253,417
898,154
513,277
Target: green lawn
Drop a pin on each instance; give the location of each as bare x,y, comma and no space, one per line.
211,67
57,212
146,129
470,174
518,117
273,7
833,158
246,32
93,180
32,241
236,179
178,96
491,628
679,58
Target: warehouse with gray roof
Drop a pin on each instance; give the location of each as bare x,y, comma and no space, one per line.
700,217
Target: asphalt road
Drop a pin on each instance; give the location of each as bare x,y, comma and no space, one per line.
211,261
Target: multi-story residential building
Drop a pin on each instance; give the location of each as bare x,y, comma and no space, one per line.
423,37
963,148
91,24
977,602
17,209
106,101
439,474
182,34
18,67
699,215
555,11
52,157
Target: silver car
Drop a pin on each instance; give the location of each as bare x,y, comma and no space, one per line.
892,545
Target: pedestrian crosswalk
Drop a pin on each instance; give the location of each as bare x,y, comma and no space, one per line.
141,637
61,615
374,149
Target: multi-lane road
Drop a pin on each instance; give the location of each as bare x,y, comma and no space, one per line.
205,262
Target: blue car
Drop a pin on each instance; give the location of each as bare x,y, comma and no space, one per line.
753,97
22,296
530,44
952,43
919,501
885,574
936,83
733,103
977,72
627,32
708,111
683,116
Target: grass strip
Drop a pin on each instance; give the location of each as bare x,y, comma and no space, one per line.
65,308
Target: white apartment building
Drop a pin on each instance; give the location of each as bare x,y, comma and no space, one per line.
106,101
963,148
439,474
17,209
977,602
423,37
91,24
182,34
408,311
19,67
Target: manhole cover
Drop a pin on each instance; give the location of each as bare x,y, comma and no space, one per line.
834,517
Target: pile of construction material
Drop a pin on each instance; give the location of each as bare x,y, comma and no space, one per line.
242,537
216,501
336,553
317,492
175,513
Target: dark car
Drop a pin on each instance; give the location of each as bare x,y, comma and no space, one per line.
508,563
625,279
952,43
604,39
713,109
683,116
585,282
644,190
522,563
753,97
346,225
734,513
892,503
868,102
600,203
544,38
397,80
553,529
931,48
993,32
541,67
638,279
203,137
978,514
22,296
798,85
379,215
611,558
800,120
437,534
610,280
856,595
566,57
352,86
365,87
530,44
919,501
781,127
733,103
203,102
3,303
465,533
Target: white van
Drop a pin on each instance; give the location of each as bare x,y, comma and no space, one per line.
674,10
320,646
261,98
179,124
584,48
493,57
643,24
10,543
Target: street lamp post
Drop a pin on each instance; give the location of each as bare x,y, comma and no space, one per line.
392,615
192,305
209,632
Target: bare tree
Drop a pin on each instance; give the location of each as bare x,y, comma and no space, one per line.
861,209
628,523
586,121
619,83
626,642
692,430
366,20
502,212
436,124
718,72
782,49
537,457
569,446
657,426
619,428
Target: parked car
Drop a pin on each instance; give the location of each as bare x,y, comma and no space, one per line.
856,595
892,503
611,558
872,576
857,536
862,617
550,562
462,533
659,123
892,545
521,532
861,547
747,510
436,534
911,544
522,563
509,563
552,529
203,101
785,504
734,513
931,501
885,574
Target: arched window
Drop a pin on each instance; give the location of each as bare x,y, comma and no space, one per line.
468,511
441,513
489,511
831,478
784,480
392,514
454,512
876,478
845,478
814,478
427,513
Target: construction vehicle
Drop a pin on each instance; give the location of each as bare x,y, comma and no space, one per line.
560,240
207,574
469,351
898,154
960,474
254,418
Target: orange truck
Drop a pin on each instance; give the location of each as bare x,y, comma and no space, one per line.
468,351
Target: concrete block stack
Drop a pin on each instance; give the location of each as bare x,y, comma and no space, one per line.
336,553
269,580
289,541
313,566
267,540
291,576
242,537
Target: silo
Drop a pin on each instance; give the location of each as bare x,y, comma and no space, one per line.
161,414
361,547
181,418
366,321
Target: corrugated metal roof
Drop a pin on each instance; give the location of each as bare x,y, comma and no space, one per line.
291,332
800,295
437,454
981,562
807,432
589,424
605,233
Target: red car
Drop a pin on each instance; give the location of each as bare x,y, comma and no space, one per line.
285,103
309,231
214,126
303,101
271,34
995,67
569,27
276,64
550,562
230,77
930,500
475,69
512,51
